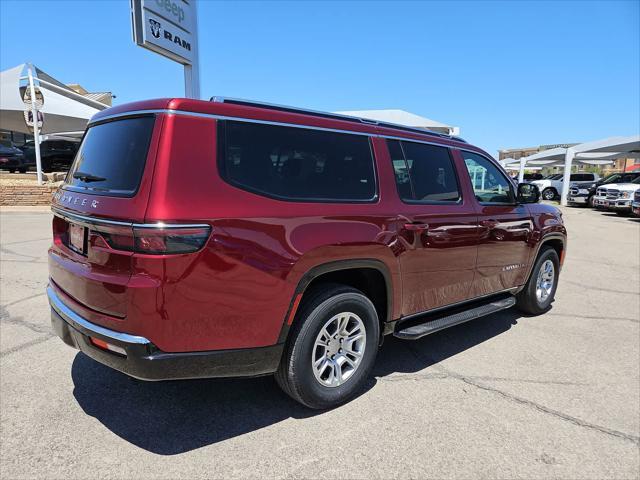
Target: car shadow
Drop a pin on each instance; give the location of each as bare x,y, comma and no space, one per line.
169,418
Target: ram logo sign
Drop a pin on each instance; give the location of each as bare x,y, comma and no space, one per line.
166,27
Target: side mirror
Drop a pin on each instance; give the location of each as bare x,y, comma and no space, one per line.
528,193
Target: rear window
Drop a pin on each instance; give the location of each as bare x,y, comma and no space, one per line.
296,163
112,157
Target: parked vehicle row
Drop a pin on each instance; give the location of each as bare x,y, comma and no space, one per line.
54,155
552,185
228,238
618,197
584,194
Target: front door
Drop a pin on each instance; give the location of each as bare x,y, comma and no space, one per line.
437,227
505,228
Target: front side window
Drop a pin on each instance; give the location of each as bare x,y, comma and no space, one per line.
296,163
424,173
489,184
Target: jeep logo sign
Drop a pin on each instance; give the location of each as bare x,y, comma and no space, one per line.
166,27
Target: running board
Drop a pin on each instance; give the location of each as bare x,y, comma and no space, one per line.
415,332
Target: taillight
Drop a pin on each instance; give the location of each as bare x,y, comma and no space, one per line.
170,240
154,240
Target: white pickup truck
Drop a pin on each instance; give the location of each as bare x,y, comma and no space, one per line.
616,196
551,187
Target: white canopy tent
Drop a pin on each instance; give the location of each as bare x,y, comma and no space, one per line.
61,111
401,117
599,152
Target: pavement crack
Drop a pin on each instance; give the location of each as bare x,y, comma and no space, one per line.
595,317
523,401
31,343
600,289
24,299
550,411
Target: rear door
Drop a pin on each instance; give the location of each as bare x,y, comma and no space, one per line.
505,227
105,191
437,227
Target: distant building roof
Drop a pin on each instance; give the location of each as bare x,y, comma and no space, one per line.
402,117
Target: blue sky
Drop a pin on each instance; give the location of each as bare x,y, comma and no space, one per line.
510,74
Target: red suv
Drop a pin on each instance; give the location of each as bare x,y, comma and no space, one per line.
229,238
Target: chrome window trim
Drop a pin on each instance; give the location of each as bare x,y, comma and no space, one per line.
168,111
76,320
88,221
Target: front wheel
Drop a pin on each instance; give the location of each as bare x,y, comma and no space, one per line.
548,194
332,347
590,201
537,295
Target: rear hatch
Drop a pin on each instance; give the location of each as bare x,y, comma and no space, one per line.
105,193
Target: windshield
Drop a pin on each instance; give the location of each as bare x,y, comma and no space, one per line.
636,181
6,143
612,178
112,157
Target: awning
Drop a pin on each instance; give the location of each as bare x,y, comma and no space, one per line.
63,109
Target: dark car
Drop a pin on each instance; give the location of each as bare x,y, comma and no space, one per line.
584,194
528,177
11,157
208,239
54,154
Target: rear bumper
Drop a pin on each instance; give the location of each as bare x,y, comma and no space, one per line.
145,361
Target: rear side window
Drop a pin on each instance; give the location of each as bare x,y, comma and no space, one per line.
424,173
112,157
296,163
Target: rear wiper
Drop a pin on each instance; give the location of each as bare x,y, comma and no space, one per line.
87,177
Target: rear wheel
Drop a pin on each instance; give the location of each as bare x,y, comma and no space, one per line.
549,194
12,170
539,292
332,347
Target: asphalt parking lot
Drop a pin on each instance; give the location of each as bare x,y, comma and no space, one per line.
501,397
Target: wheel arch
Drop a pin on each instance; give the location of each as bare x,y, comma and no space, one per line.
362,273
557,241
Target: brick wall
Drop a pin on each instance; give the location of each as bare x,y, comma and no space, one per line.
12,195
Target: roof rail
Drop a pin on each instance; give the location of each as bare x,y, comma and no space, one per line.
337,116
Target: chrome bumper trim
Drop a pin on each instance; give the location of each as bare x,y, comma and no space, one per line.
76,320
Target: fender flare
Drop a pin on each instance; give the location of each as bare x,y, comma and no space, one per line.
329,267
544,240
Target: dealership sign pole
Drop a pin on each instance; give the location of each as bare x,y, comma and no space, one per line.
170,28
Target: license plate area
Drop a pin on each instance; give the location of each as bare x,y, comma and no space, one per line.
77,238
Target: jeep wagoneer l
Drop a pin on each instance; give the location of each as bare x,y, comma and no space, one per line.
228,238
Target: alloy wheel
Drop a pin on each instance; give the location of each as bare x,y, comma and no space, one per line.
338,349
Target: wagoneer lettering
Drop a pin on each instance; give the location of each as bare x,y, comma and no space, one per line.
198,239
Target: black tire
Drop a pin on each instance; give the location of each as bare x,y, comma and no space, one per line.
549,193
12,170
590,201
295,374
527,300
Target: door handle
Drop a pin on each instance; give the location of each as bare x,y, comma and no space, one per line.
416,227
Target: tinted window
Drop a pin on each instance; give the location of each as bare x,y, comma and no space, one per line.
112,156
424,173
581,177
297,163
489,184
